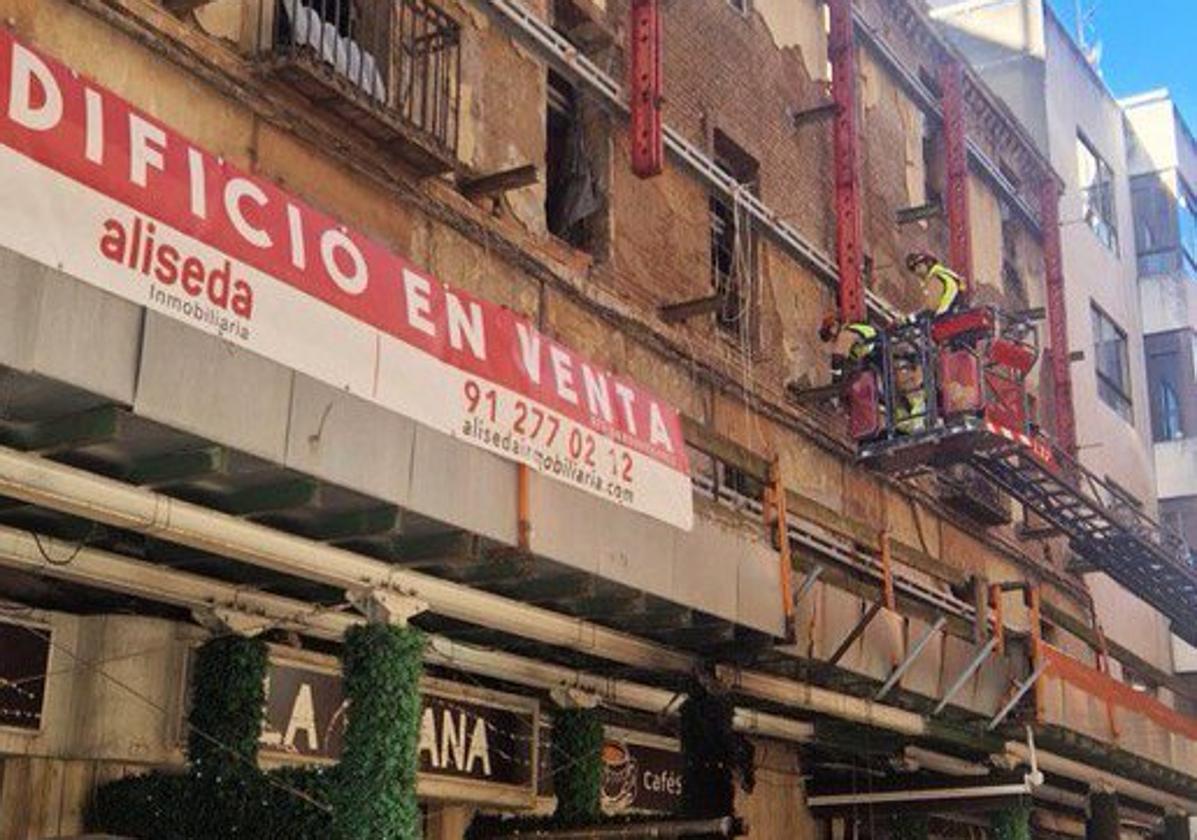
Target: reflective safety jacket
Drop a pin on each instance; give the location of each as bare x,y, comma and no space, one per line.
866,340
952,283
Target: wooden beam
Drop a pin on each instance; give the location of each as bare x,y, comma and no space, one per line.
687,309
814,113
500,182
182,8
910,215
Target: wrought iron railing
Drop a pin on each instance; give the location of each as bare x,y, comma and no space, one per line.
401,58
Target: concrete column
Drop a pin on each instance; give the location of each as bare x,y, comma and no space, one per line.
447,822
1176,827
1103,816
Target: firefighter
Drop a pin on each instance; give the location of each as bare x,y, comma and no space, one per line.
910,402
855,344
944,287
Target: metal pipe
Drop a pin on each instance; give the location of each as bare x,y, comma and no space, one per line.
915,795
966,674
41,482
721,827
1058,765
44,555
914,654
815,699
949,765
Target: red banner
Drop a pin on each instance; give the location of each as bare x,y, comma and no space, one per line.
114,197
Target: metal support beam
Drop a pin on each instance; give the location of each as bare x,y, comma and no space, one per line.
1057,317
808,583
523,507
500,182
1019,693
857,632
775,515
976,662
849,239
645,94
951,83
914,654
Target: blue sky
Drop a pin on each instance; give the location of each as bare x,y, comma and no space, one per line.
1146,44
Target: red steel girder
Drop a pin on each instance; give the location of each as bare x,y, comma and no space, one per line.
1057,315
951,84
648,137
848,222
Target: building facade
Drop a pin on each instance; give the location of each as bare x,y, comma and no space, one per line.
320,311
1027,55
1163,166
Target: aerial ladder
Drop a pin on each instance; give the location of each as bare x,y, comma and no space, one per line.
954,390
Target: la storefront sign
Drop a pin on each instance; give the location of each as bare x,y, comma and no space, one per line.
95,188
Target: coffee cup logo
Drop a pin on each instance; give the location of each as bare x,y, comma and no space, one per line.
619,777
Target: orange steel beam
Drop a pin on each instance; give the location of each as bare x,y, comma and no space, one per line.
774,503
1033,604
1104,687
522,507
887,570
999,621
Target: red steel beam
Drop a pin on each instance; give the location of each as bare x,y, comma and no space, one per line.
951,84
1057,315
849,227
648,137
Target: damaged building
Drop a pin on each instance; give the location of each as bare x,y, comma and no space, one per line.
499,320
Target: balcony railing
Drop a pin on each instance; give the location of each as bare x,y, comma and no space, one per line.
390,68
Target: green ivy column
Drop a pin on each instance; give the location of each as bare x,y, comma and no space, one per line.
578,766
227,705
1013,823
714,755
374,797
909,827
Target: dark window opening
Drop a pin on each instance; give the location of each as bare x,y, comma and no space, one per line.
1188,227
572,192
1013,285
1097,194
1113,364
1139,682
733,244
740,6
398,56
931,188
1165,380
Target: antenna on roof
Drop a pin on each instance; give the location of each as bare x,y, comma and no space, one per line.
1086,31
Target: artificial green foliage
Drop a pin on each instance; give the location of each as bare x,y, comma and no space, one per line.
715,757
142,806
375,798
227,703
1013,823
224,795
578,766
909,827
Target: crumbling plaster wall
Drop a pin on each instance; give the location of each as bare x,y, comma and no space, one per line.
659,227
